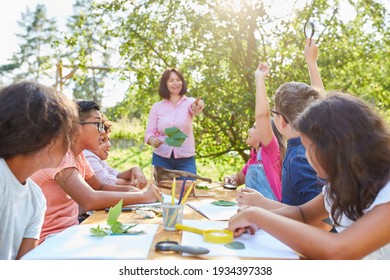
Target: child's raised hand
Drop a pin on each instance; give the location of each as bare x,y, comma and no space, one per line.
311,51
262,70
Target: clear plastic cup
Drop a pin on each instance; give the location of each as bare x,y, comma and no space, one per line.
172,215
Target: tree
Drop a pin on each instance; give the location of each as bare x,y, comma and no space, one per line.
34,60
217,44
88,48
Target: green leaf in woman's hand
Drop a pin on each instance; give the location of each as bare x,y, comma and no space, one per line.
175,137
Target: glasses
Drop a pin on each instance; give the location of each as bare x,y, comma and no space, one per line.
99,125
277,113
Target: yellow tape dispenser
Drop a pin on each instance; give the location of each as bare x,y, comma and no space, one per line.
218,236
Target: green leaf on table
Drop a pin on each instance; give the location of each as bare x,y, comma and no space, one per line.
202,187
236,245
175,136
115,227
98,231
114,213
224,203
119,228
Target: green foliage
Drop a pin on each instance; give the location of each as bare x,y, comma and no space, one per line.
112,220
217,45
90,52
98,231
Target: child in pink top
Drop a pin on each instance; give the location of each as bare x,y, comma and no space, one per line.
269,157
263,170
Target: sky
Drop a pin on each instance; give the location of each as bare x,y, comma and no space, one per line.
12,11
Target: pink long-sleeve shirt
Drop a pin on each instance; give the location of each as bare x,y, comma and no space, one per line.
165,114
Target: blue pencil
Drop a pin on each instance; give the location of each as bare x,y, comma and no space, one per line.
182,190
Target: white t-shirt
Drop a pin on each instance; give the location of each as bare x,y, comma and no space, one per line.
382,197
22,210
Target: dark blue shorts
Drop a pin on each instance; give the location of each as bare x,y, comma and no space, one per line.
182,164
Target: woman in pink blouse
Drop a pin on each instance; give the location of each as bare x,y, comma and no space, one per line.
175,110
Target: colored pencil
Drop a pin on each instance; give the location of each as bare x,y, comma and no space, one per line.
173,190
188,193
182,189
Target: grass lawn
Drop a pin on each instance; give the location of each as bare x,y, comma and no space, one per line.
141,155
126,153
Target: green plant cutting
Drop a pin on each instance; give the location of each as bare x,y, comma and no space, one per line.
113,225
224,203
175,136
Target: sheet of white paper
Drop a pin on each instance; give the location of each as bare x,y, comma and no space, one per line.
211,211
260,245
76,243
166,198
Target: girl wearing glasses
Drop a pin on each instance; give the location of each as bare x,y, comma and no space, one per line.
37,125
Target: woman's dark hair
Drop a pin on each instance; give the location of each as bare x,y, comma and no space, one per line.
163,89
352,145
32,115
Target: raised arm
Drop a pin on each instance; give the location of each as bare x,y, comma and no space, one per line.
311,56
197,106
262,115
